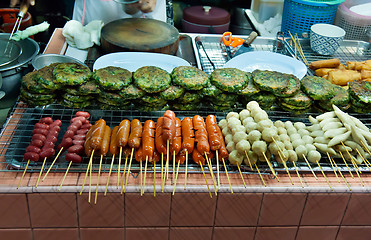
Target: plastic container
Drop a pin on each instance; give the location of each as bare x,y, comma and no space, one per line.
299,15
263,10
355,25
9,16
205,19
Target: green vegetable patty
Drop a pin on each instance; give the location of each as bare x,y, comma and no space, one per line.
152,79
191,78
71,74
113,78
229,79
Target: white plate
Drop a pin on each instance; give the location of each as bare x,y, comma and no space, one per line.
265,60
134,60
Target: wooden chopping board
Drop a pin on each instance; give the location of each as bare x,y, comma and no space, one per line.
139,34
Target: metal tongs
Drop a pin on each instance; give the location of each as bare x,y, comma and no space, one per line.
22,11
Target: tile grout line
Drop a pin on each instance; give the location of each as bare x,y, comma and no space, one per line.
77,211
260,209
301,216
29,216
171,210
342,219
216,207
124,215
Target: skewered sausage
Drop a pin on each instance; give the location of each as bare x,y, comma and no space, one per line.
56,123
180,158
113,144
42,126
78,149
135,133
188,135
82,114
148,139
169,126
159,141
82,119
46,120
213,133
97,137
32,148
176,145
106,140
32,156
73,157
201,134
197,157
123,133
139,154
47,153
40,131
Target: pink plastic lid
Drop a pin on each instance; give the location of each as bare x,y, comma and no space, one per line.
205,15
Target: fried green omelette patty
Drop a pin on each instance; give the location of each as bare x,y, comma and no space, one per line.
341,99
172,93
300,100
46,79
71,74
360,91
229,79
152,79
250,88
191,78
30,84
317,88
113,78
132,92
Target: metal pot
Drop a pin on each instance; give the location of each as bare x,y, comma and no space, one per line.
12,73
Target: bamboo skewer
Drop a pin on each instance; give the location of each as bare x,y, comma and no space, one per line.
239,170
176,177
90,170
118,169
167,159
341,174
211,173
217,168
145,175
288,173
174,166
154,178
87,171
351,160
64,177
203,172
109,174
123,174
364,159
261,177
96,190
55,159
328,155
306,160
271,167
226,173
248,159
297,173
186,167
141,179
24,172
127,174
324,175
162,172
41,171
346,164
359,176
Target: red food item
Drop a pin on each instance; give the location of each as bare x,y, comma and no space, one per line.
81,118
159,141
78,142
79,137
198,157
42,126
39,137
69,134
123,133
32,156
32,148
169,126
66,142
82,131
82,114
106,140
201,134
56,123
40,131
180,158
188,135
48,144
47,153
135,133
148,139
86,126
78,149
73,157
139,154
176,145
113,143
97,136
46,120
37,142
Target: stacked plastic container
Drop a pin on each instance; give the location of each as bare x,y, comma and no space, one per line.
355,25
299,15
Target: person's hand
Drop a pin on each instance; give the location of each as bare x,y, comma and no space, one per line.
14,3
144,6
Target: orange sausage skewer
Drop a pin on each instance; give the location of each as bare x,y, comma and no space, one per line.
175,149
114,151
122,140
168,134
134,142
199,159
160,147
188,137
103,152
148,145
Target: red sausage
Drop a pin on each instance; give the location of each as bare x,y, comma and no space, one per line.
51,138
53,133
69,134
86,126
176,145
46,120
201,134
169,126
139,154
37,142
156,156
47,145
66,142
32,156
135,133
78,142
82,119
47,153
180,158
82,131
113,143
188,135
159,141
32,148
73,157
73,128
148,139
79,137
82,114
126,151
78,149
123,133
56,123
55,128
39,137
213,134
42,126
198,157
40,131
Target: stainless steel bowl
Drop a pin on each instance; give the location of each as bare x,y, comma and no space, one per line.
43,60
9,52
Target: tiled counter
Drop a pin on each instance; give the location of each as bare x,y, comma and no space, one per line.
279,211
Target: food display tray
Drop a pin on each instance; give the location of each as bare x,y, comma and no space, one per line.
17,135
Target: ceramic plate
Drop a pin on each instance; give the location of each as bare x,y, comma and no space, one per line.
265,60
134,60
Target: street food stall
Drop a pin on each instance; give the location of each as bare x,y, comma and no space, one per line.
249,164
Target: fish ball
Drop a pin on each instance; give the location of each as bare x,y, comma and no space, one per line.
298,142
239,136
282,156
223,123
314,156
264,124
288,145
291,130
293,157
259,147
274,147
254,135
238,128
288,124
235,158
230,147
232,115
295,136
247,120
279,124
253,158
307,139
310,147
284,137
232,122
243,146
226,131
300,125
301,150
269,134
303,132
262,115
281,130
251,105
228,138
244,114
250,126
